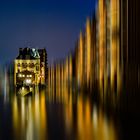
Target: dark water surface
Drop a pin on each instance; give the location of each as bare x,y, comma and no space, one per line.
64,115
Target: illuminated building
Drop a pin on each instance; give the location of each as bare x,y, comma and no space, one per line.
101,42
58,76
93,76
68,70
108,44
108,51
30,67
80,60
52,78
109,48
118,41
88,51
70,59
43,66
49,77
123,28
115,40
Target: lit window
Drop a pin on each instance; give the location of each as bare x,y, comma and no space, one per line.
20,75
28,81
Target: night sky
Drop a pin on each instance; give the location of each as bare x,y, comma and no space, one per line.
53,24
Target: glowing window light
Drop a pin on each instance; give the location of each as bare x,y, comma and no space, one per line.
29,75
28,81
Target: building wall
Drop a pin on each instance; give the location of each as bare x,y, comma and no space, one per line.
101,41
80,60
108,44
88,51
19,67
43,66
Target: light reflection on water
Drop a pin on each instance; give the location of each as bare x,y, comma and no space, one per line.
84,117
62,114
29,117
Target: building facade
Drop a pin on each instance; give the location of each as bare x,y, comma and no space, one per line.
30,67
43,66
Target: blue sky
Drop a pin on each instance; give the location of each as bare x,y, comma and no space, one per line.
53,24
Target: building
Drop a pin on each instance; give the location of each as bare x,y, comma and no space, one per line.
109,43
43,66
130,40
118,39
30,67
107,52
80,60
87,49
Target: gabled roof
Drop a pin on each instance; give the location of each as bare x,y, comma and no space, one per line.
28,53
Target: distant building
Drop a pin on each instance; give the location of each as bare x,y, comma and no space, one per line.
30,67
43,65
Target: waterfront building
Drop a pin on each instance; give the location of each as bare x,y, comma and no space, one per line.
80,60
30,67
101,39
93,75
107,52
109,47
43,66
87,52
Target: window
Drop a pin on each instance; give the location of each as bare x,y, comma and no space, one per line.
24,65
37,68
31,65
18,64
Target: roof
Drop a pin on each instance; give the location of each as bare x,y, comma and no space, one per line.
28,53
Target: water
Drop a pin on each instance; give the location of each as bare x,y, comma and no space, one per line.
63,114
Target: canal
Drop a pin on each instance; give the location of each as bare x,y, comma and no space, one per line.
62,114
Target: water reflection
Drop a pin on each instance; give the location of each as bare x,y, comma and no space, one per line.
83,118
29,117
59,113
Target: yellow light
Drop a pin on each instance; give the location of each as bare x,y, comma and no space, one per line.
28,81
20,75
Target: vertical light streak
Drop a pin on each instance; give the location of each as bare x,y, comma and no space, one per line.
102,38
80,60
88,50
115,20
